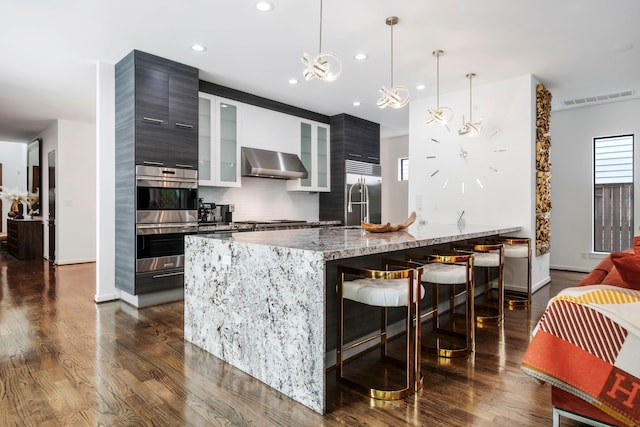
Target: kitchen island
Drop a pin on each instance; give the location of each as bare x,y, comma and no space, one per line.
265,301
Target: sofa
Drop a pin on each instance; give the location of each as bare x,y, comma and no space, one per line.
587,344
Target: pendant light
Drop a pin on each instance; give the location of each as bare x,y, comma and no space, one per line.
397,96
469,128
441,115
325,66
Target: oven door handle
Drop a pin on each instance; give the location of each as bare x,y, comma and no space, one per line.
142,229
159,276
151,182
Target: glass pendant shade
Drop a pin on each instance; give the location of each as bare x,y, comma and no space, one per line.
440,115
470,128
396,96
325,66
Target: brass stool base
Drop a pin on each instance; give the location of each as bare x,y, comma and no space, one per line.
442,344
374,393
516,300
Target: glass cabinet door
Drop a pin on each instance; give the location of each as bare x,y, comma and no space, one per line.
306,154
204,139
228,143
323,158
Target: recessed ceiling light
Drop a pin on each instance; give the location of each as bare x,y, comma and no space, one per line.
356,103
264,6
293,81
421,87
361,56
198,48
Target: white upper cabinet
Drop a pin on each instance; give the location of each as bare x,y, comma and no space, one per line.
218,142
314,153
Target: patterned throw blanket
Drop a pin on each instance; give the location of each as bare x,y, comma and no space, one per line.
587,343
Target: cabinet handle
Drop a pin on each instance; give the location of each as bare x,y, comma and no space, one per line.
373,158
152,120
355,155
159,276
178,165
153,163
184,125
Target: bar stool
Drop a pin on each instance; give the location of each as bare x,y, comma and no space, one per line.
450,268
516,249
488,256
383,288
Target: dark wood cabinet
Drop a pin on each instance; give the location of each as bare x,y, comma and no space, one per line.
24,238
163,110
156,124
354,139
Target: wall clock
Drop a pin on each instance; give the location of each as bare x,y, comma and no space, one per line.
462,164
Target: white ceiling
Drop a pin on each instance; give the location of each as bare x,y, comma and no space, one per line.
49,48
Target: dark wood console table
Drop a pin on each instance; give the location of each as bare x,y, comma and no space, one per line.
24,238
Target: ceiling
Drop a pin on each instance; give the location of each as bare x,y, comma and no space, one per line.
49,50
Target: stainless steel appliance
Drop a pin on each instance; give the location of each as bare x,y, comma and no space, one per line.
166,195
363,190
167,210
205,212
223,214
271,164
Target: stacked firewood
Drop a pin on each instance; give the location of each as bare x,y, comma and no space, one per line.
543,168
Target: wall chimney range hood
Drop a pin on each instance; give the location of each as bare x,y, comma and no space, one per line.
271,164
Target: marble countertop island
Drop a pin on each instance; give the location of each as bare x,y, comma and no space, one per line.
258,300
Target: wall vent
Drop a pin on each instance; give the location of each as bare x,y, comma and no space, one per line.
600,98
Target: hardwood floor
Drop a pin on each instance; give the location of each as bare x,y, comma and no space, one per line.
65,360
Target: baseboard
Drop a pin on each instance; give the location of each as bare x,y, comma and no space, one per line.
571,268
106,297
75,261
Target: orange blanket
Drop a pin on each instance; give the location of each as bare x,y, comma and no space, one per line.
587,343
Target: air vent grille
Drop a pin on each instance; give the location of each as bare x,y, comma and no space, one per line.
600,98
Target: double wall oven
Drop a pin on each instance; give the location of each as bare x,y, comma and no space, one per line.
167,210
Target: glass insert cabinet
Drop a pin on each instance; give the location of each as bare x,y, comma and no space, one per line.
314,153
218,142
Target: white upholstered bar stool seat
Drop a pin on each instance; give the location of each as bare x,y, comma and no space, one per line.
486,259
449,268
516,251
444,274
379,293
489,258
384,289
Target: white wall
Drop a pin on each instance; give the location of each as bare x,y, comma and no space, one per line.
395,193
74,145
572,133
13,157
506,197
105,183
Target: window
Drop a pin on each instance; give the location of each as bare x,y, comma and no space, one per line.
613,193
403,169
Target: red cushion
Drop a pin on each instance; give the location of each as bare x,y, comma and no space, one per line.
628,265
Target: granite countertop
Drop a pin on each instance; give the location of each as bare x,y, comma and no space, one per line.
346,242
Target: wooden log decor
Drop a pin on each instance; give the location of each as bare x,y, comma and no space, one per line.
543,170
543,192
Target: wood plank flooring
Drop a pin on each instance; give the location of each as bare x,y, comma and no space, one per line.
66,361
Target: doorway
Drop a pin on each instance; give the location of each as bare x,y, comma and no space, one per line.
52,206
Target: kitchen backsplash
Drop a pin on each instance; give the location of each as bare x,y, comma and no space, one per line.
264,199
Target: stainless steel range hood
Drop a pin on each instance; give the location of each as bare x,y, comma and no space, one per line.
271,164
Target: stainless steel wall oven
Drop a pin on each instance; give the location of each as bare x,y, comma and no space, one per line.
167,210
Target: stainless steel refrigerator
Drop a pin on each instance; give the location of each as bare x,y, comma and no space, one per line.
363,189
